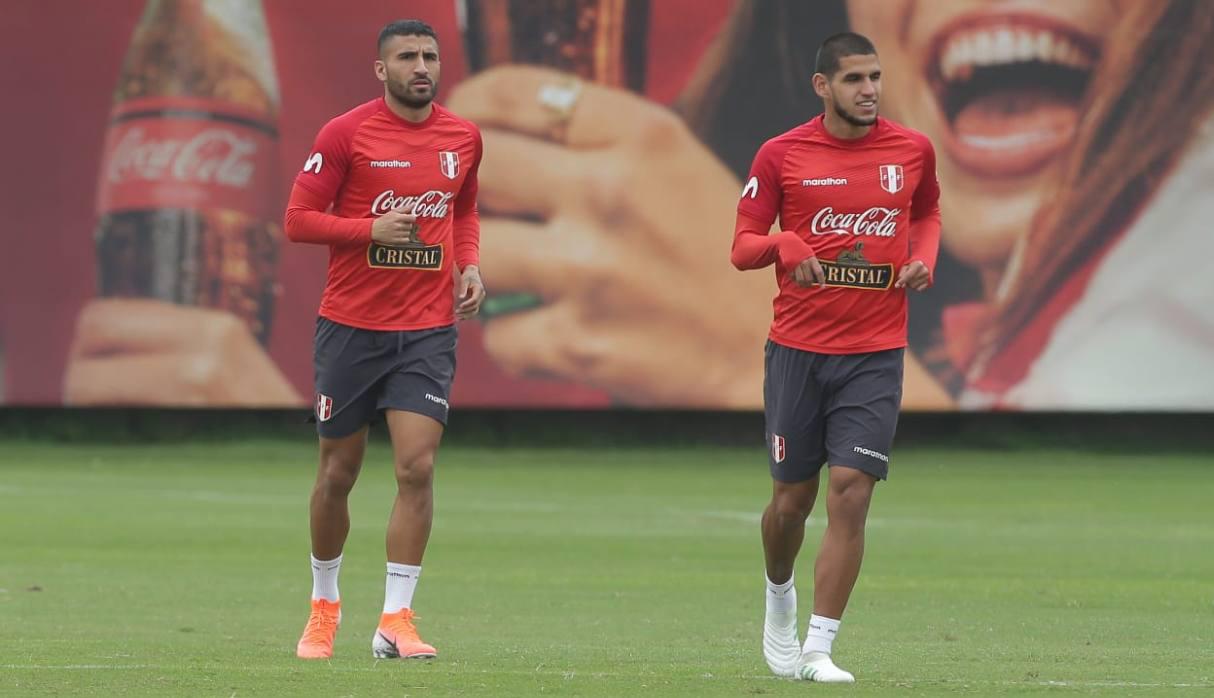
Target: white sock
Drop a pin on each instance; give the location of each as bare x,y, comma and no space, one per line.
821,634
781,598
398,591
324,578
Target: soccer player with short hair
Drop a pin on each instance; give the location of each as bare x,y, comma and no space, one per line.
857,199
390,188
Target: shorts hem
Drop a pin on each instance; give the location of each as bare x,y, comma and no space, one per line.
879,472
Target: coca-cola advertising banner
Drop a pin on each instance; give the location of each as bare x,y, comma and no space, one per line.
150,145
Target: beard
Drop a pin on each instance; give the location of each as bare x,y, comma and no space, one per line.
852,118
402,93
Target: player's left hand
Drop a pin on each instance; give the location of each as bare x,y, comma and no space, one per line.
471,293
914,275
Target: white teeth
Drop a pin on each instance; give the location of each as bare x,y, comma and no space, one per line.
1007,45
1045,46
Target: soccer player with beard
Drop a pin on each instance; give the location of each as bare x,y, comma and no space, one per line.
390,187
857,199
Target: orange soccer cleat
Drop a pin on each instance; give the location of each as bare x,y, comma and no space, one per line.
396,637
317,640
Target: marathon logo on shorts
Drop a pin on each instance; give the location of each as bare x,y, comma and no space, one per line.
448,162
777,448
891,178
409,256
851,270
324,407
871,454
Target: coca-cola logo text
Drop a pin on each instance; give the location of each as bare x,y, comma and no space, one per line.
211,156
432,204
875,221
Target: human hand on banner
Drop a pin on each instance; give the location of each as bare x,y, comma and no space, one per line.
143,352
619,220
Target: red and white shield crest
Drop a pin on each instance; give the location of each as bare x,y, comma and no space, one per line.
891,178
777,448
448,162
324,407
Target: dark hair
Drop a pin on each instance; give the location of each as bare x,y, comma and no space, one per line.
754,81
405,27
839,46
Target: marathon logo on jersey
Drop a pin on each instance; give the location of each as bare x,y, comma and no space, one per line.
314,163
751,189
448,162
324,407
851,270
777,448
825,182
891,178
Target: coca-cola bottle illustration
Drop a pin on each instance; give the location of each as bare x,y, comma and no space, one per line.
602,41
186,200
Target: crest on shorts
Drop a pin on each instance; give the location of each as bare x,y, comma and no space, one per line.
324,407
777,448
891,178
448,162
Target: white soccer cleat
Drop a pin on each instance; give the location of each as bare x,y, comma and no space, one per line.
817,666
781,648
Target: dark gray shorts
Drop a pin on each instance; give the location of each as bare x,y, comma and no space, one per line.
840,409
360,372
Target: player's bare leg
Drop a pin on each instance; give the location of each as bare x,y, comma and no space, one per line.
848,495
415,440
340,461
783,529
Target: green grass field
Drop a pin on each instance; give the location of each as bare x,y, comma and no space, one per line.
182,570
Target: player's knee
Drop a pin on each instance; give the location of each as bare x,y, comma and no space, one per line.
337,478
851,496
791,509
415,472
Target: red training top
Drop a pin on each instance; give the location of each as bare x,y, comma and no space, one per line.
365,163
864,207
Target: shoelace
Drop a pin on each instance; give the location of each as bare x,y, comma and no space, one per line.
402,624
320,622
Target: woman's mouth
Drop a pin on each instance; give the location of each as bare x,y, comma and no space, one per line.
1009,87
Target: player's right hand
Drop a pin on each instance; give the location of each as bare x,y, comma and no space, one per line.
809,273
396,227
132,351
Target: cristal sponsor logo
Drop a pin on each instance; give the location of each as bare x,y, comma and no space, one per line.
432,204
877,221
866,452
824,182
439,400
391,163
214,155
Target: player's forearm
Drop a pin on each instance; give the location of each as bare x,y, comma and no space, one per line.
467,239
307,221
755,248
925,239
303,225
